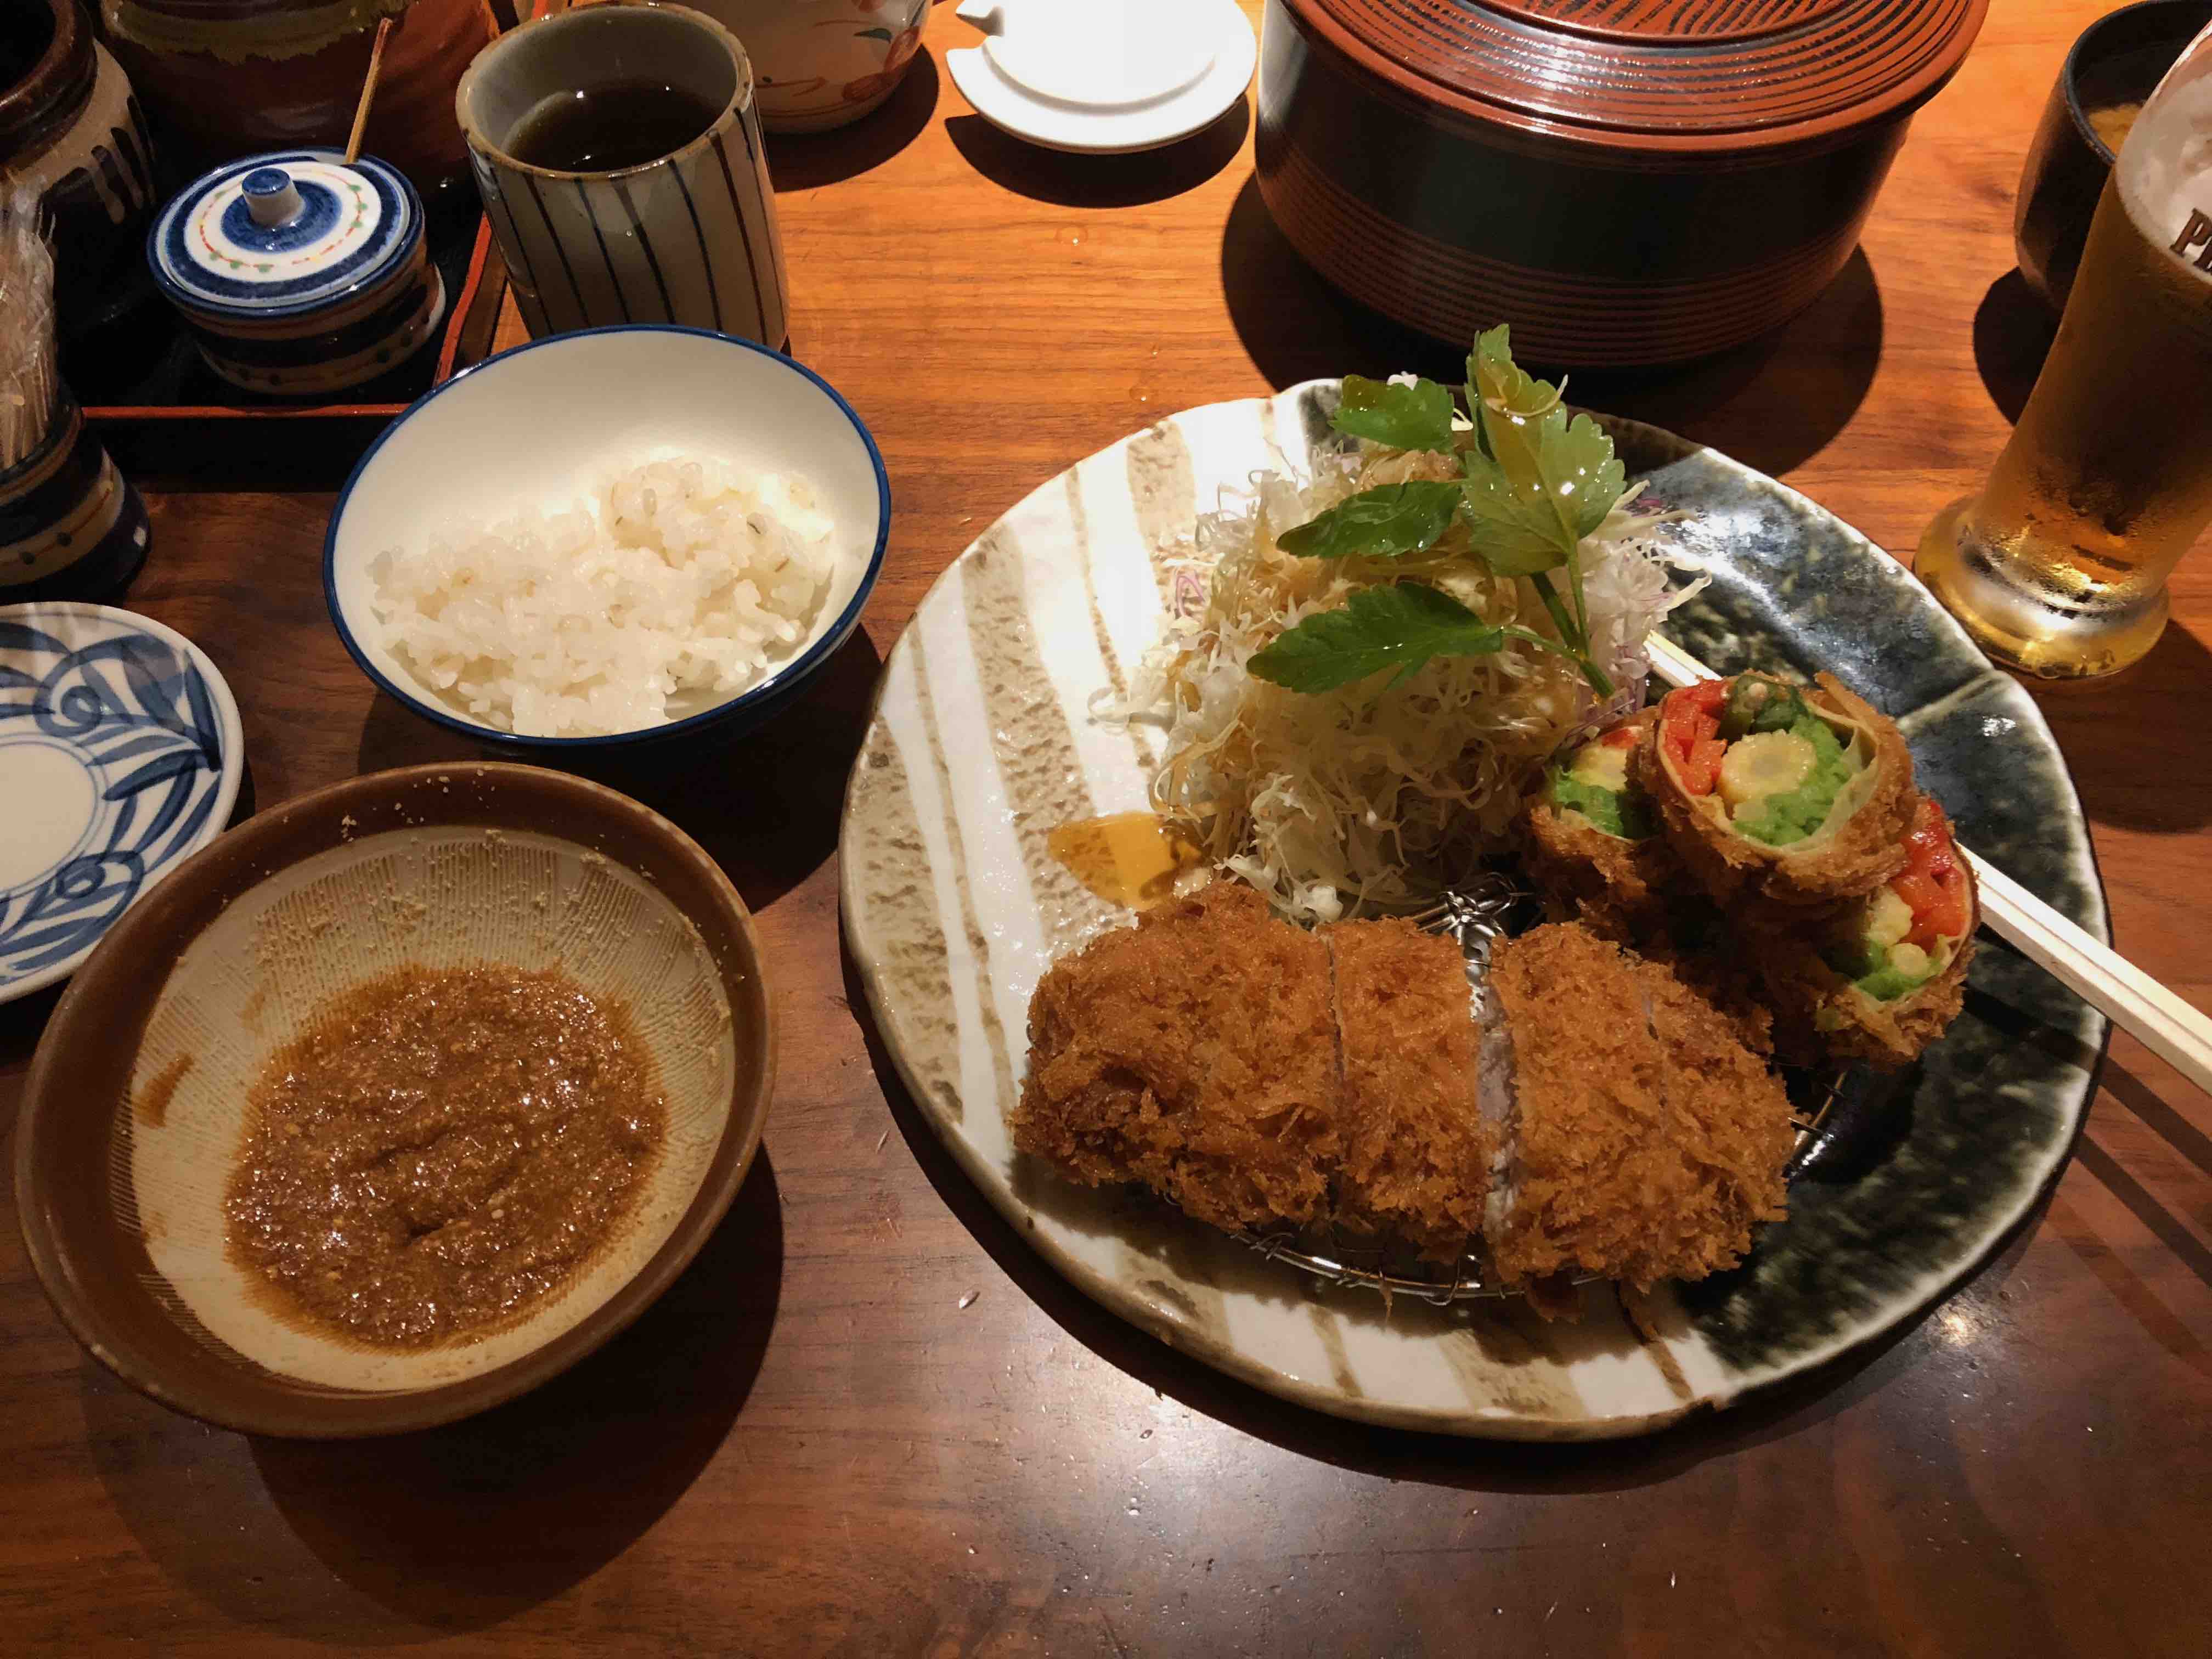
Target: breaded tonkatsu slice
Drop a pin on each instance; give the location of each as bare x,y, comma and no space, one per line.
1641,1140
1416,1151
1195,1053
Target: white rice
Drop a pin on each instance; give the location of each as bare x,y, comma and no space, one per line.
682,576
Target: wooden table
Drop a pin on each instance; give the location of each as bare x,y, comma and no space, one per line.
869,1421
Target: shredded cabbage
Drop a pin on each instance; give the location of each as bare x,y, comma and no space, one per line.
1376,796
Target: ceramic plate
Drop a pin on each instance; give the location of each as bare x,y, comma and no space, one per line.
1104,80
120,755
981,742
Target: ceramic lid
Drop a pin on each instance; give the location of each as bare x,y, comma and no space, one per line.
283,234
1658,73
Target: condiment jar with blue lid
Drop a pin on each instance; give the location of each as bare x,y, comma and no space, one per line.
298,275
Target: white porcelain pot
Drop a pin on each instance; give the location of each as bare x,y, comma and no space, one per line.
819,64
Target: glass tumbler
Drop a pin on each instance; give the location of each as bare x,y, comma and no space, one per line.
2059,567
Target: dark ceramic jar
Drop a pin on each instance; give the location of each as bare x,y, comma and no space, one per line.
69,129
1625,181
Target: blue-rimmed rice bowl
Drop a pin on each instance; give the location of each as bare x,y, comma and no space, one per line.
120,756
537,428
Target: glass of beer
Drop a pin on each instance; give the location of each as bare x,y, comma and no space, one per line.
2059,567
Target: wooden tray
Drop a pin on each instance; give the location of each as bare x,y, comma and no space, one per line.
145,368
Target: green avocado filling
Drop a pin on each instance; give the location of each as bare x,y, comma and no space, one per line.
1886,984
1796,813
1615,812
1868,963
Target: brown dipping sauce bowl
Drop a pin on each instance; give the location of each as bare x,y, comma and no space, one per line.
486,835
2117,59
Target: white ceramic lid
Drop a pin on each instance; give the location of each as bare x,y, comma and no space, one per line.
1101,79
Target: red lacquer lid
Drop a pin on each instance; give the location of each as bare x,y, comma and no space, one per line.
1658,73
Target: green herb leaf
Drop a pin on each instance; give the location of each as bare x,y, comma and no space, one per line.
1492,376
1540,482
1381,523
1416,417
1508,536
1402,626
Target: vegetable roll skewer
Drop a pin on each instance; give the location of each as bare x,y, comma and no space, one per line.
1590,839
1796,796
1880,981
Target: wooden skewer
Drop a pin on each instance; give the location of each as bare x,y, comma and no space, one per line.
367,92
2099,975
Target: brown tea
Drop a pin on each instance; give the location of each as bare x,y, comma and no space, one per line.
604,129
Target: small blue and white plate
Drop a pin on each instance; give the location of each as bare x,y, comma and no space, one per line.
120,756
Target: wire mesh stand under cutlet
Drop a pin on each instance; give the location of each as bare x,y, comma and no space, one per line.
1494,905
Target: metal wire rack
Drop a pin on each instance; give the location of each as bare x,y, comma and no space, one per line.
1494,905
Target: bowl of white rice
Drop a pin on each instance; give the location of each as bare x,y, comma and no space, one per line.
610,537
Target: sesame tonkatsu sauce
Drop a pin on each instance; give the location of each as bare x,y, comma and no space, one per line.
440,1151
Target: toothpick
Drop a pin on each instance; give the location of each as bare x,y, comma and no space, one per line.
367,92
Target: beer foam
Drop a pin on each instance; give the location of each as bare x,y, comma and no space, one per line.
2165,170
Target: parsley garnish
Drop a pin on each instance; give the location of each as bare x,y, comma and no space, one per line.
1400,626
1416,417
1380,522
1532,484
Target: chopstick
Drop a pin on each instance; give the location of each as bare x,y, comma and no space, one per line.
367,92
2137,1003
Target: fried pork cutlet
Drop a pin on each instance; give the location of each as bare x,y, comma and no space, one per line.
1641,1140
1605,1119
1416,1151
1196,1052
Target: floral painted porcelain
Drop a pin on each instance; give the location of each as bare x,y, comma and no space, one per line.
819,64
121,753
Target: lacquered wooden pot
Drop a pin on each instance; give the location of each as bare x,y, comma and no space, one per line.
1625,181
234,76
